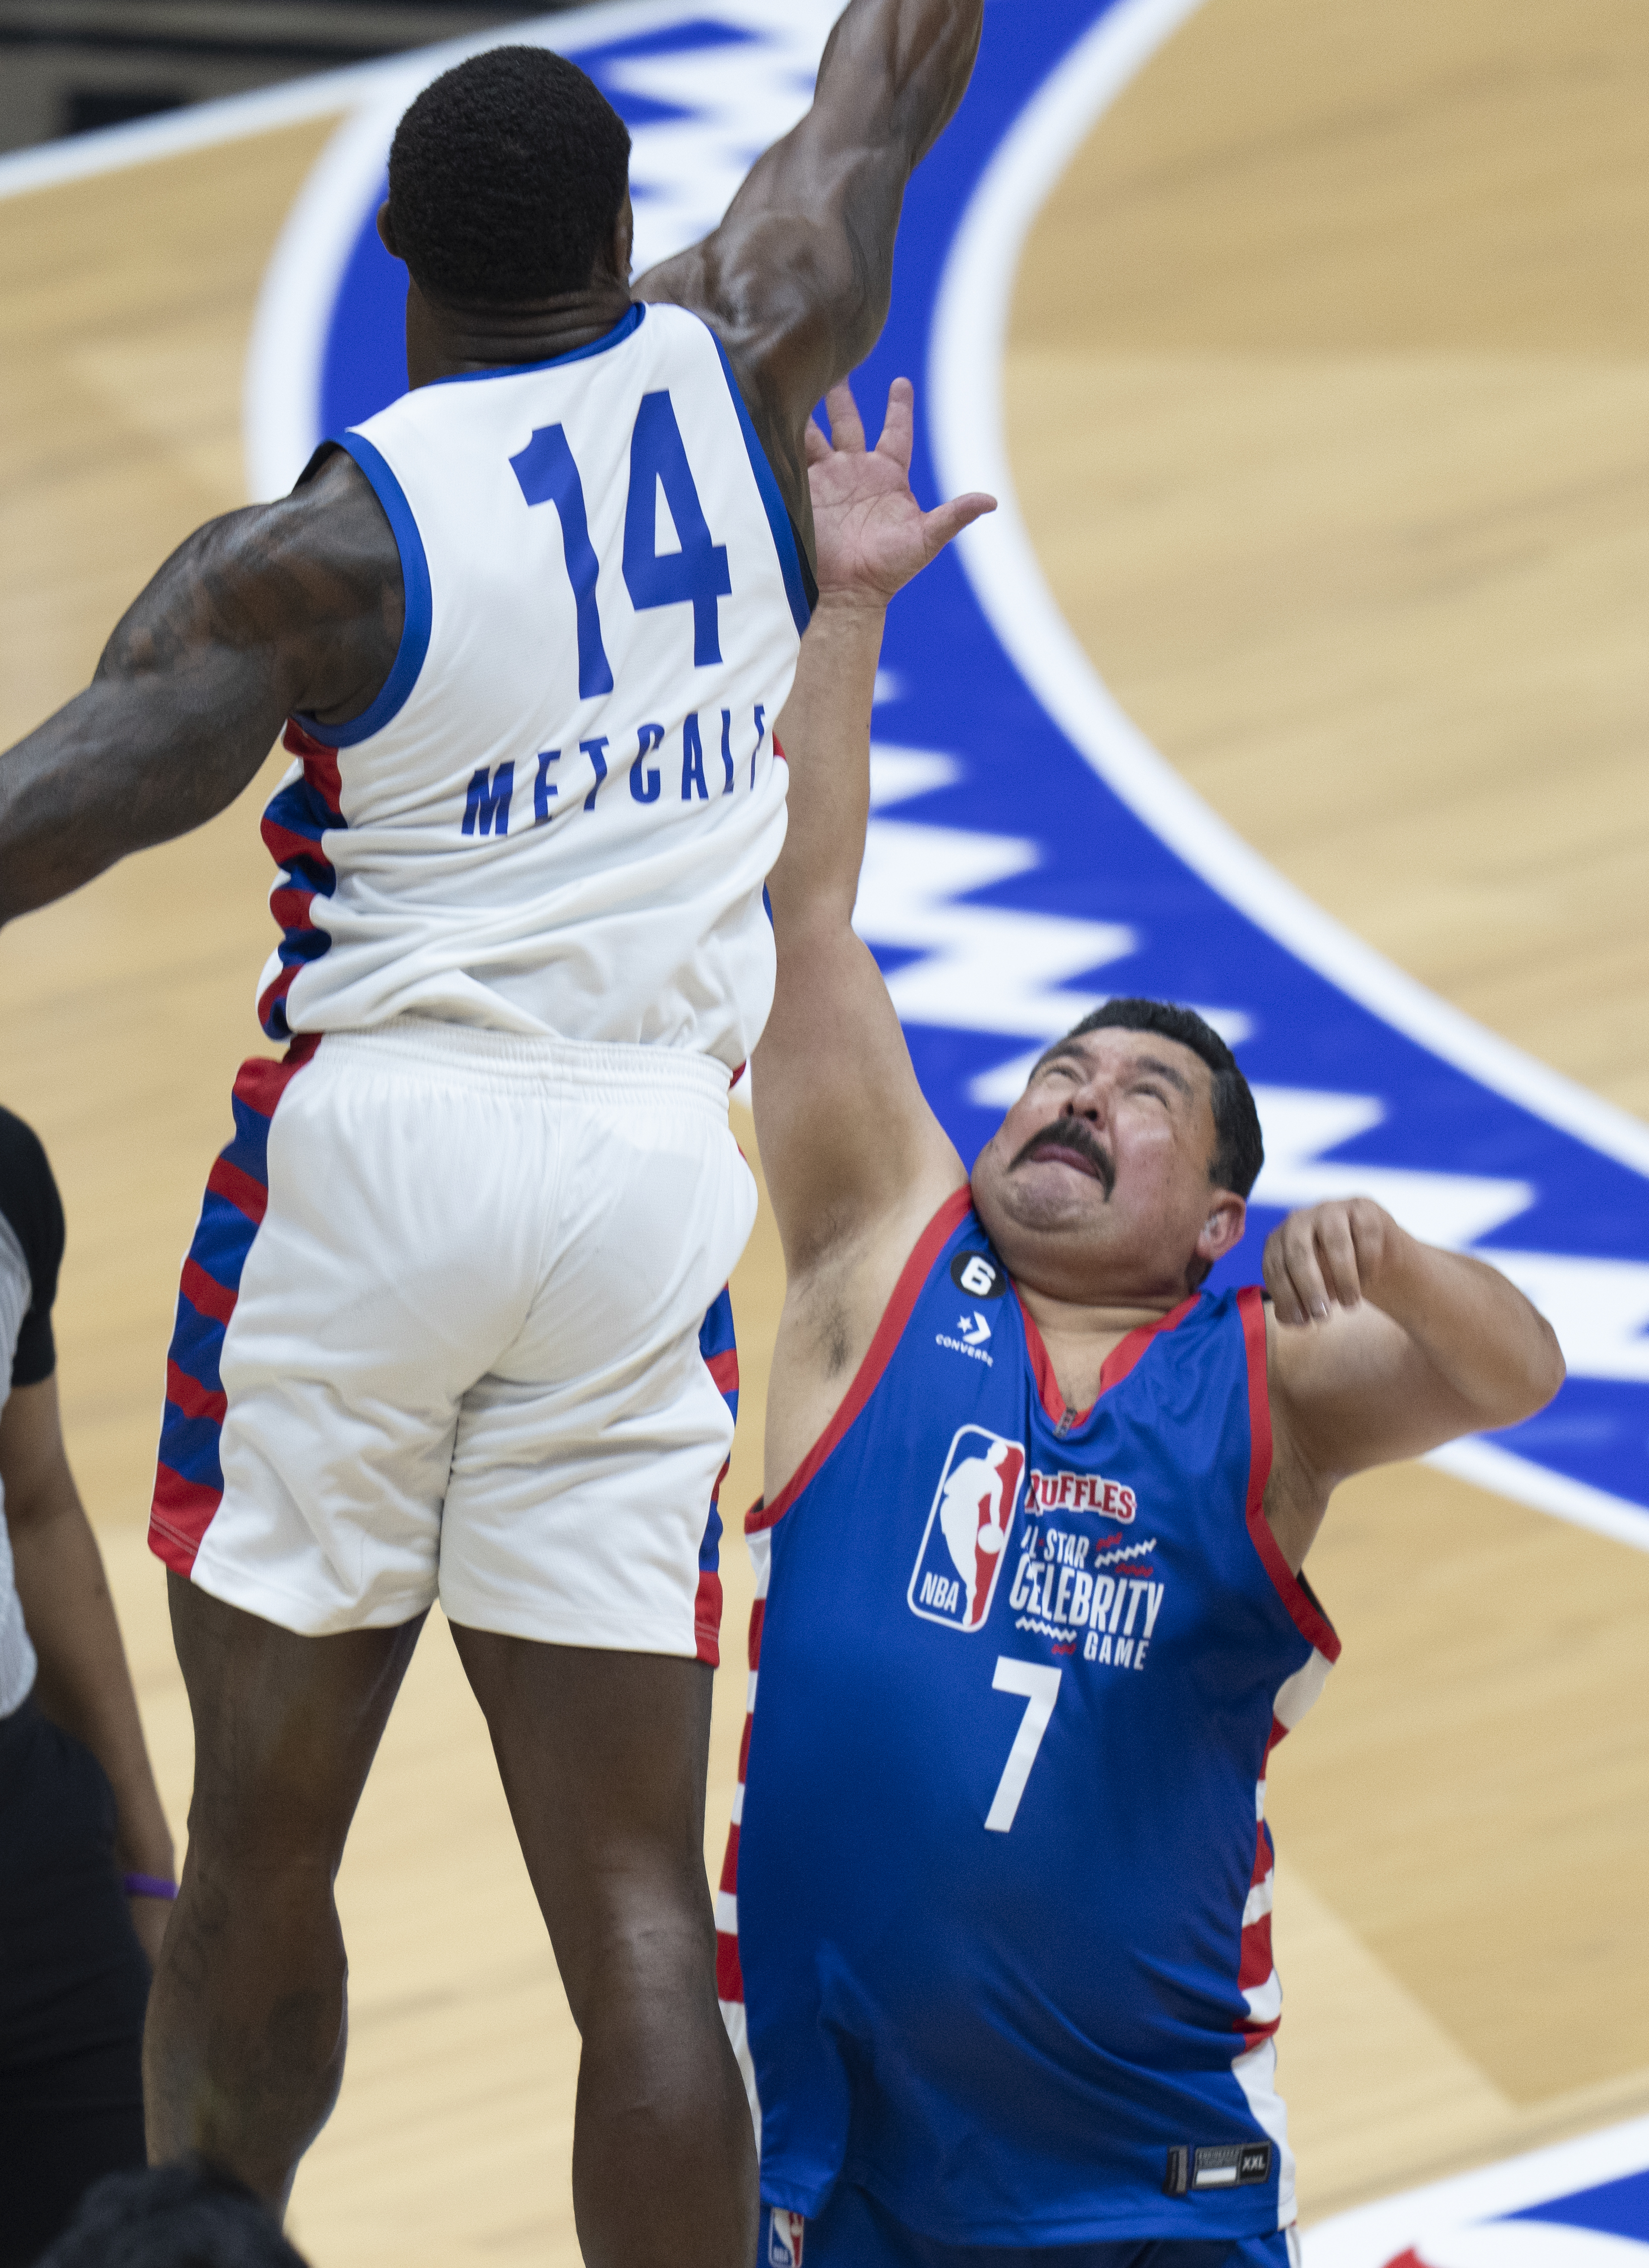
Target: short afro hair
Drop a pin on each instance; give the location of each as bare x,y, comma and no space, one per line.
506,178
1240,1153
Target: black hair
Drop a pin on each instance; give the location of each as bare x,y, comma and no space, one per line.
187,2216
506,177
1240,1153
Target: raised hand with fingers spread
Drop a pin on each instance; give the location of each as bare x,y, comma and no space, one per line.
873,535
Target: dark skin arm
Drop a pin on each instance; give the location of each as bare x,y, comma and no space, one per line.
796,281
288,606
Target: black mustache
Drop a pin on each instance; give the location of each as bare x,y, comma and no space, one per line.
1072,1134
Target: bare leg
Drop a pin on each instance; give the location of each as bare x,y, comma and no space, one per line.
243,2054
603,1759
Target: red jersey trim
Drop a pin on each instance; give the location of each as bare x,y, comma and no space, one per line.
895,1316
724,1370
1115,1367
1308,1617
1123,1356
320,761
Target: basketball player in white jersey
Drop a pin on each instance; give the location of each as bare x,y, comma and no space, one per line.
451,1323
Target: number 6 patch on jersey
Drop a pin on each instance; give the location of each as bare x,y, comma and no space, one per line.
966,1540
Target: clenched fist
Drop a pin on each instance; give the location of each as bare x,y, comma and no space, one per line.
1329,1255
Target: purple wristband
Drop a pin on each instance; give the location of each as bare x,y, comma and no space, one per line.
149,1886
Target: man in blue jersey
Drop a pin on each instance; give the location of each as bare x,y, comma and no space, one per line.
1032,1614
453,1325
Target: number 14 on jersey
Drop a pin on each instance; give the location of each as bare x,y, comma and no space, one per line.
696,576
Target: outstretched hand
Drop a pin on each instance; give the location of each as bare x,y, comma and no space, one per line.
872,534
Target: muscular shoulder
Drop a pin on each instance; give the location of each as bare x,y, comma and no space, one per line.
768,289
311,580
325,553
769,281
334,516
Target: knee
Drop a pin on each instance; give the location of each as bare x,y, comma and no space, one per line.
266,1801
258,1862
252,1836
651,1950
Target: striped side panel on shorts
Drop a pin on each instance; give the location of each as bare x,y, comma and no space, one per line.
1258,1979
729,1974
189,1477
719,1350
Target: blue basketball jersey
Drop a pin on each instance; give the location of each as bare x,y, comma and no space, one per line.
996,1913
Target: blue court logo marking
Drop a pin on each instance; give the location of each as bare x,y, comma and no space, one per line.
1581,2204
1029,852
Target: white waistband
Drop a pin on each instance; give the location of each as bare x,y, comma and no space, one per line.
474,1056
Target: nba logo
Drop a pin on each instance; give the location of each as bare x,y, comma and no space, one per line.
784,2237
966,1539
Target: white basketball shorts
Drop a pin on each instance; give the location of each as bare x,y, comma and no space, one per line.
454,1324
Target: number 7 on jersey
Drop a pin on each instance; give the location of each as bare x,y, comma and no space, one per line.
1040,1687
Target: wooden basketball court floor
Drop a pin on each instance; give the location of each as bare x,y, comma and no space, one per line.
1328,392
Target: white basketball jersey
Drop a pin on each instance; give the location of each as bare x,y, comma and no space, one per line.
558,814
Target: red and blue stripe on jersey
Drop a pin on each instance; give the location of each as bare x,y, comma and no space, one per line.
995,2007
299,817
189,1479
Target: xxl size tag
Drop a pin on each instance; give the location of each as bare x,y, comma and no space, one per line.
1220,2166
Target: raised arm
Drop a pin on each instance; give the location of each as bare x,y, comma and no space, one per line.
848,1140
1382,1348
795,279
291,606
